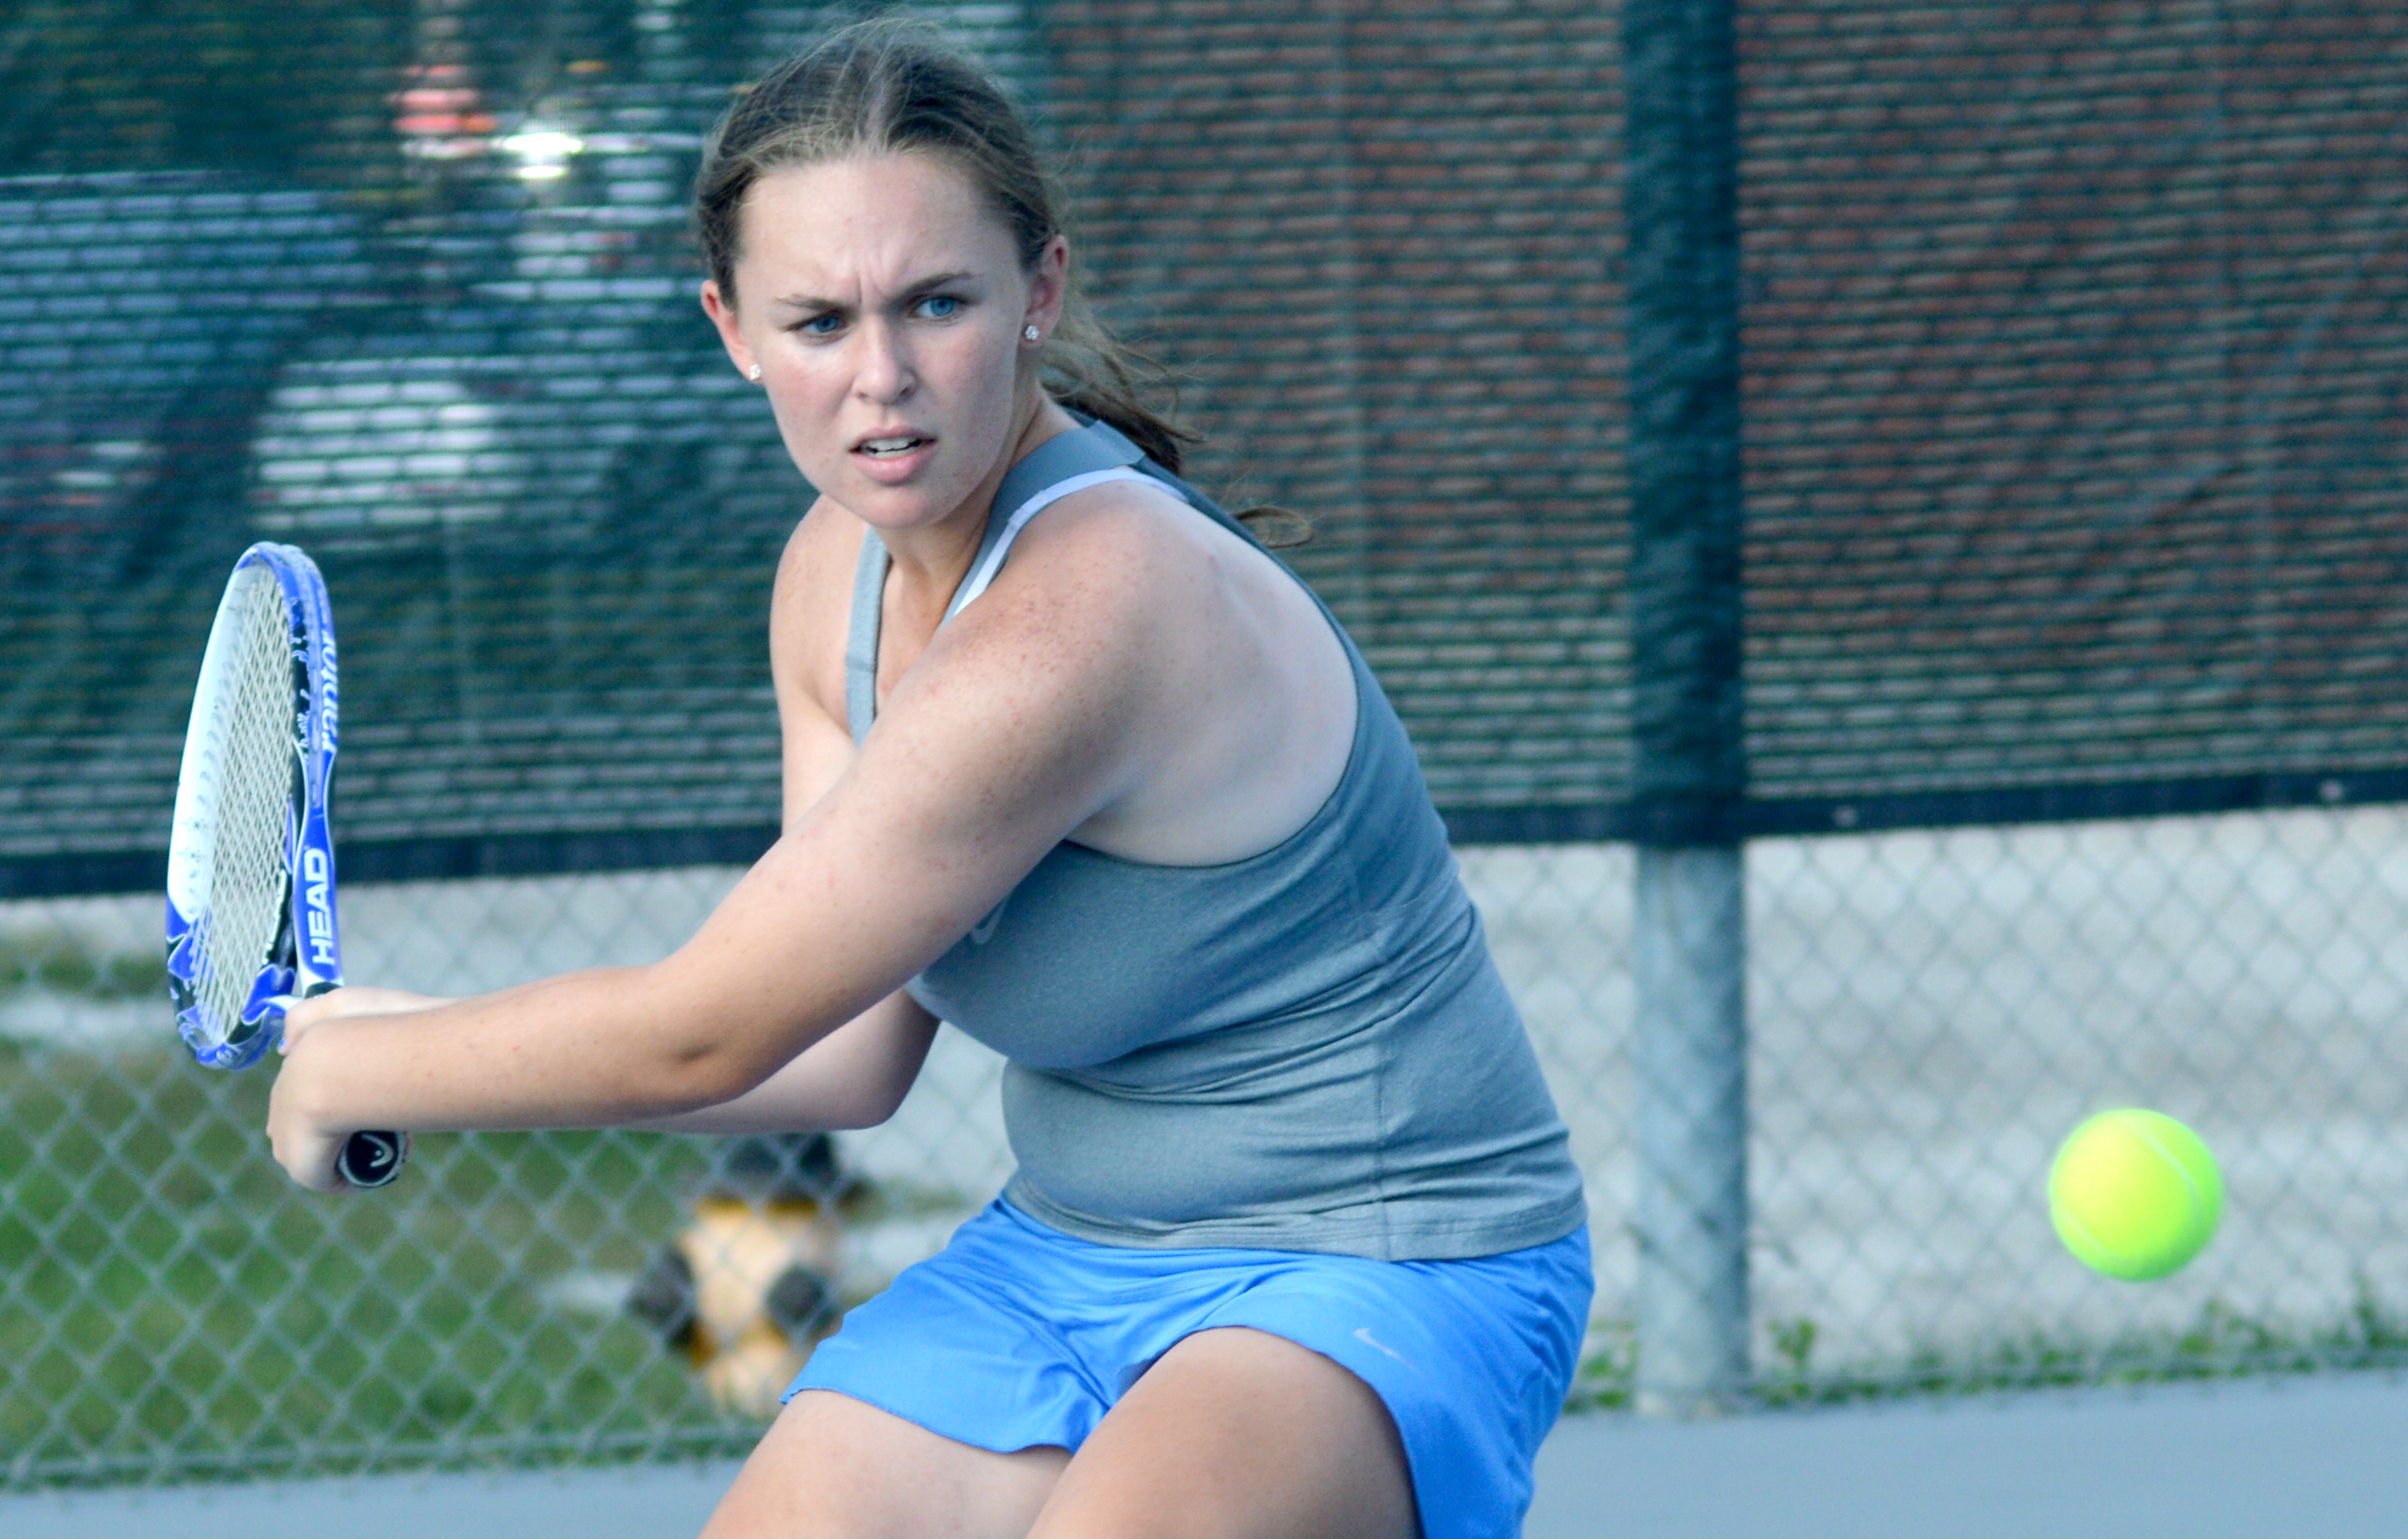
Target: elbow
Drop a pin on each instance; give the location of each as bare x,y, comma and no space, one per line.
863,1105
714,1080
697,1079
695,1064
867,1111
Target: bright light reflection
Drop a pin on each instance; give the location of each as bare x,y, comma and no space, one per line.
543,153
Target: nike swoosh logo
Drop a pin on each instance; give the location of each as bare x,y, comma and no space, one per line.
1363,1334
984,929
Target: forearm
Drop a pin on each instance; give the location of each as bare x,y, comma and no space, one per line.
597,1048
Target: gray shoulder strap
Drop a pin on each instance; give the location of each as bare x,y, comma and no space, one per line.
861,638
1085,451
1118,441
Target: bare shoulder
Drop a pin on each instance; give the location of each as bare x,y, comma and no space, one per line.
1068,637
1225,698
1111,593
810,606
1132,554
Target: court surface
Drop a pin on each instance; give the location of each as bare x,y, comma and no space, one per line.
2326,1457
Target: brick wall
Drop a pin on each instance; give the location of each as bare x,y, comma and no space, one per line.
2074,341
2076,337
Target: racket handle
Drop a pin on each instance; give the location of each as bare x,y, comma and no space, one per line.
372,1159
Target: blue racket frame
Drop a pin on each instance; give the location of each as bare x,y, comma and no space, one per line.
309,844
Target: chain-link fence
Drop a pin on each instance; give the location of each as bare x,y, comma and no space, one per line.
2073,491
1931,1012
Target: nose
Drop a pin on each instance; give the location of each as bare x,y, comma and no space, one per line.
885,374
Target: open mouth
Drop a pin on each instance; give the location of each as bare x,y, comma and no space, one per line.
888,448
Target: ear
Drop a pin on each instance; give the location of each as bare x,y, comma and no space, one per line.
1049,286
722,311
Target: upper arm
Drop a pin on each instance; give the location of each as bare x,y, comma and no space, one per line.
806,634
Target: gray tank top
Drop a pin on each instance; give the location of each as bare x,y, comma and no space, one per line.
1309,1049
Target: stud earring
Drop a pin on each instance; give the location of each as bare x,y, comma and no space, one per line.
1030,331
753,374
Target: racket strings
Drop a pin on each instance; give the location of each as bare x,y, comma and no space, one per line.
255,792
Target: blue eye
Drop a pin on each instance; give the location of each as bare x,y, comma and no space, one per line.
820,326
940,306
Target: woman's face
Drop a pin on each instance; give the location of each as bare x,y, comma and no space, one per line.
884,305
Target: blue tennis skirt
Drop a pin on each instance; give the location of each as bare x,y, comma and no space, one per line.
1019,1336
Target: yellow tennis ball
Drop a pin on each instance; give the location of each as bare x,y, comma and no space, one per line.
2134,1194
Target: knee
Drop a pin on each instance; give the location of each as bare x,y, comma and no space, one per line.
835,1466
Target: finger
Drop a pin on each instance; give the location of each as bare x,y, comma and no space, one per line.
299,1016
370,1001
312,1165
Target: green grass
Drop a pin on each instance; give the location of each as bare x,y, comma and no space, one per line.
1608,1373
171,1306
62,965
2222,1343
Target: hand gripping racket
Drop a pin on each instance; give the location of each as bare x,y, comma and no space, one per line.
251,866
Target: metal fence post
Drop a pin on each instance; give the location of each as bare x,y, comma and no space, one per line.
1691,1052
1689,767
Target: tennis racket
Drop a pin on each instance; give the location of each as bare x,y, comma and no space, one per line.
251,866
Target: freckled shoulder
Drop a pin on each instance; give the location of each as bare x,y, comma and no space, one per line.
1133,535
810,606
1115,594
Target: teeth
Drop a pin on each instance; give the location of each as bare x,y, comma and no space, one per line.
888,446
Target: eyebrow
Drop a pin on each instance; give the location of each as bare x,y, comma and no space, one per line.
813,302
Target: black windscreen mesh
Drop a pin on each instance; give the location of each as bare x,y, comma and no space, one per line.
2073,343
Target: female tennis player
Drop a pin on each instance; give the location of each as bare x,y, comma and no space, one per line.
1295,1246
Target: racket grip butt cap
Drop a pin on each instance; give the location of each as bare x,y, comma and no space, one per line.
371,1159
